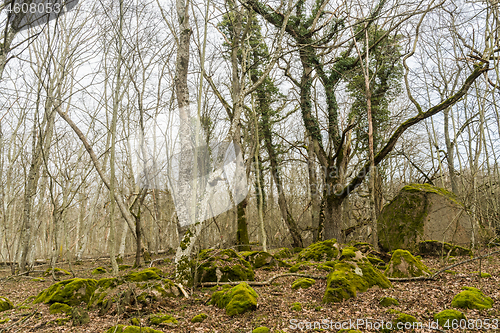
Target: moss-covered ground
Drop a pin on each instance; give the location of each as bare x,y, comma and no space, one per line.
420,299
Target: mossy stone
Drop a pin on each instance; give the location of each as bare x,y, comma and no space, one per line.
296,306
228,264
303,283
5,304
283,253
261,329
199,318
388,301
405,318
151,273
446,316
135,321
131,329
71,292
59,308
483,274
403,265
262,259
348,278
99,270
124,267
5,320
320,251
471,298
162,319
57,271
237,300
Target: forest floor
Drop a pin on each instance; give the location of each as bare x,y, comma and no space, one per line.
422,299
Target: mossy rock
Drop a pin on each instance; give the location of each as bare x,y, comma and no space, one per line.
166,288
231,265
303,283
350,277
296,306
134,321
261,329
199,318
471,298
424,212
483,275
446,317
320,251
131,329
437,248
124,267
403,265
71,292
80,316
5,304
147,274
5,320
162,319
57,272
283,253
404,318
261,259
60,308
237,300
327,266
99,270
388,301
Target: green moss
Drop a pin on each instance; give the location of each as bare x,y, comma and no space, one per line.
350,277
471,298
38,280
131,329
5,304
199,318
431,189
303,283
388,301
446,316
300,266
403,264
71,292
124,267
296,306
57,271
348,252
283,253
261,329
438,248
237,300
60,308
320,251
405,318
151,273
99,270
230,264
262,259
5,320
162,319
483,274
107,283
135,322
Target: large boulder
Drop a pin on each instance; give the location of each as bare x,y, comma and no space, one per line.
424,212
